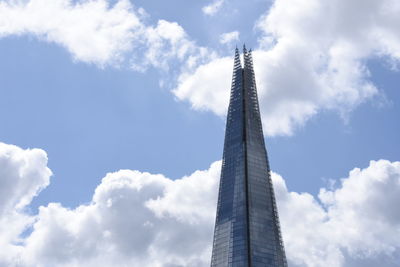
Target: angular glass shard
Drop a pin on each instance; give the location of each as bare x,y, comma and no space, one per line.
247,231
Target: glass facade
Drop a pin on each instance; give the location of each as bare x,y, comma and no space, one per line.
247,231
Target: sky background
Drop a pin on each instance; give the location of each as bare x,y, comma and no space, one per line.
128,90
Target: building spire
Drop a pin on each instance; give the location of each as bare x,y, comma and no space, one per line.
237,63
247,59
247,230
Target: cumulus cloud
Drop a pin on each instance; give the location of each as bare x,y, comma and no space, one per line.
141,219
92,31
134,219
165,42
99,32
229,37
212,8
23,174
311,56
355,222
213,92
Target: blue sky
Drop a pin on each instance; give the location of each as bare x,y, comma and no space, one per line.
102,86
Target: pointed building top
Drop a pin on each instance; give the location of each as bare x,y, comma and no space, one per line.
247,230
237,63
247,59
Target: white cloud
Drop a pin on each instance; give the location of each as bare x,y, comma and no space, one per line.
229,37
142,219
96,31
23,174
213,92
212,8
92,31
164,42
356,222
311,56
134,219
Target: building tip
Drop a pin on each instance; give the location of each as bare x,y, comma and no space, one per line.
245,49
237,53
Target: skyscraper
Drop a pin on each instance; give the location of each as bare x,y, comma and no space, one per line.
247,231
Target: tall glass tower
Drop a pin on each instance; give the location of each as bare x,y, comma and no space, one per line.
247,231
